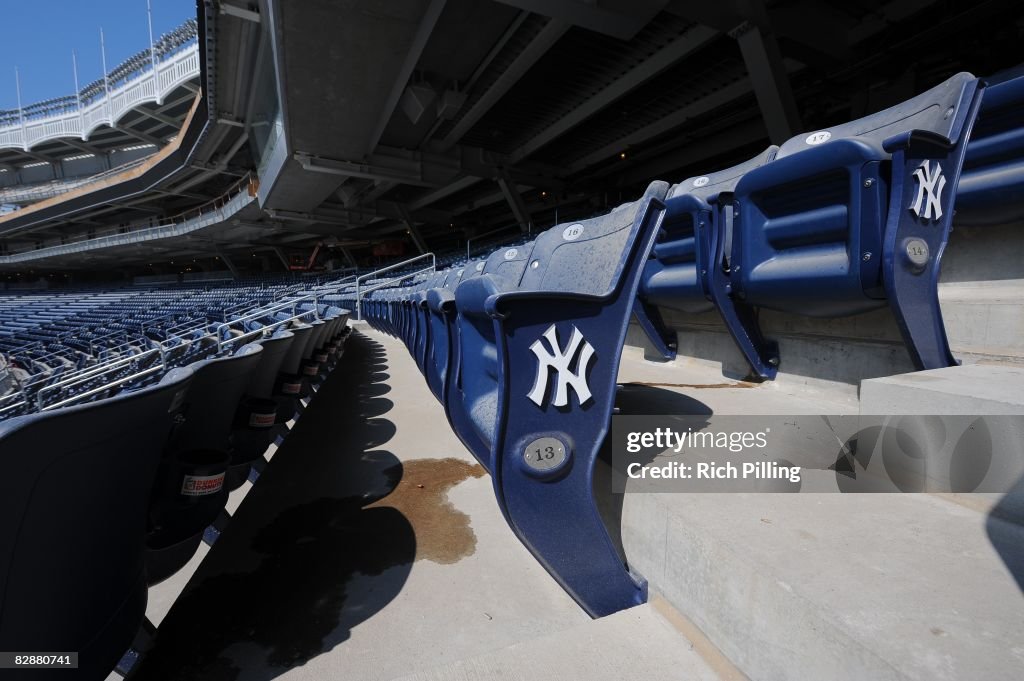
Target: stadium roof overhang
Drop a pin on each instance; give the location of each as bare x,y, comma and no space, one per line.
436,120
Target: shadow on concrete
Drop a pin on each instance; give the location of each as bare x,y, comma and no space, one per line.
274,592
1005,528
638,399
635,399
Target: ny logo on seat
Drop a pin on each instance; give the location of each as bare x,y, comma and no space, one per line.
561,363
929,191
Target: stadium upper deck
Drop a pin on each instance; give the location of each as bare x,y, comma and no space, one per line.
48,148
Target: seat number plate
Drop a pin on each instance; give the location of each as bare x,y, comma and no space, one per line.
545,453
572,232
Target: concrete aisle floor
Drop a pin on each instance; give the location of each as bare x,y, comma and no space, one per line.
371,548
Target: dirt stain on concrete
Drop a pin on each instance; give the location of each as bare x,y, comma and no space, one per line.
443,533
712,386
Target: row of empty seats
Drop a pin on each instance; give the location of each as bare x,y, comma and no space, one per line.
110,490
522,350
522,347
50,340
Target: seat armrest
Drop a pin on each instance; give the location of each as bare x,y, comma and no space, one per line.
919,143
843,153
440,300
503,305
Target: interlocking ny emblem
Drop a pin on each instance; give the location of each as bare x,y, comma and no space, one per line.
929,191
560,362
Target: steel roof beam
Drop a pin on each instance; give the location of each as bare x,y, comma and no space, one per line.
515,201
412,57
771,83
413,231
621,19
243,13
686,44
537,48
141,136
157,116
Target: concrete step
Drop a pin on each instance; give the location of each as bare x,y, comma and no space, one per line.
985,319
983,389
907,587
639,643
839,587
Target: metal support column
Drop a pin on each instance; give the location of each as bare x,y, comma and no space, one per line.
414,232
771,84
515,200
226,259
283,258
349,258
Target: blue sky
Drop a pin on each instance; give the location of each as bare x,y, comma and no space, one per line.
38,36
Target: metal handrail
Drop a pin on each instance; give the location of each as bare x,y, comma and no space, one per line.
288,290
9,407
102,388
359,280
263,312
137,356
82,378
389,282
268,329
43,376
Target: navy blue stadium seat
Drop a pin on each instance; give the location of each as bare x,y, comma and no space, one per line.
260,411
856,217
76,487
217,389
440,306
292,383
423,350
690,265
192,486
536,383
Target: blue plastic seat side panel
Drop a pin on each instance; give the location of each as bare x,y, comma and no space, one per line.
992,181
588,330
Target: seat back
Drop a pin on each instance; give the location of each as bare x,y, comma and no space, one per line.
509,263
440,309
692,240
689,266
275,349
937,110
315,338
811,223
586,256
293,358
213,397
75,491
